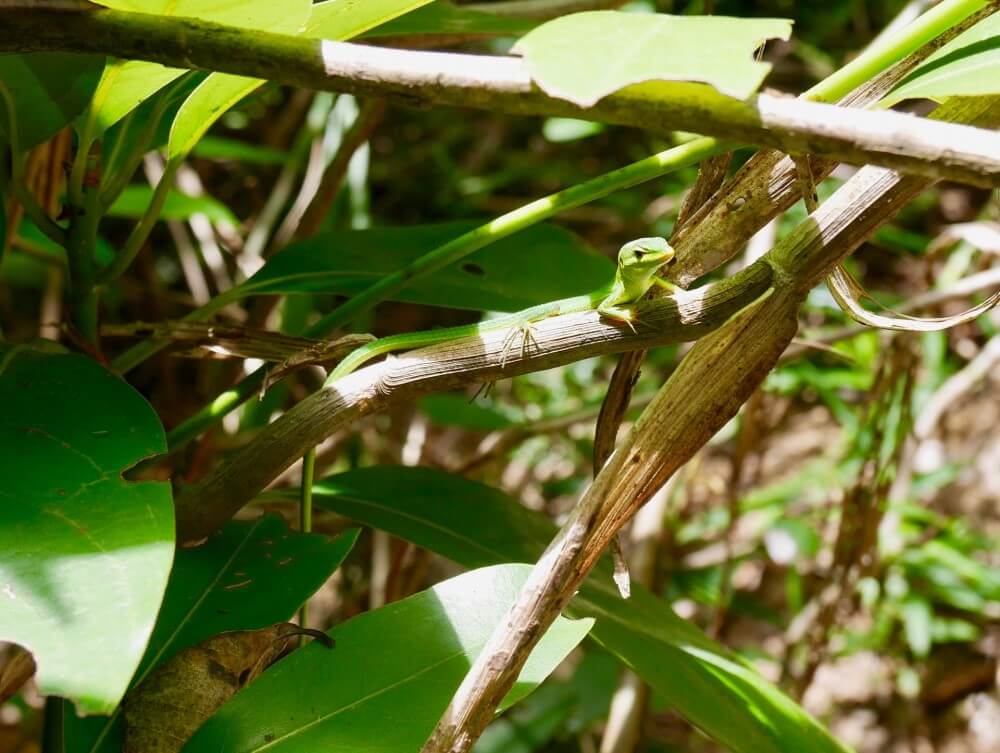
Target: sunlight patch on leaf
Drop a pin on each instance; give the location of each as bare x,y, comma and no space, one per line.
84,554
586,56
969,65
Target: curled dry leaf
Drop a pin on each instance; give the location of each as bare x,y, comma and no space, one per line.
167,708
849,293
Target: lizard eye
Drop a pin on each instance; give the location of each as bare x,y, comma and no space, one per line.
639,255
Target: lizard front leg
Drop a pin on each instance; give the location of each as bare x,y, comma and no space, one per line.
526,330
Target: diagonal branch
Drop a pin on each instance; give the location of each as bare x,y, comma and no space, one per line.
502,84
719,373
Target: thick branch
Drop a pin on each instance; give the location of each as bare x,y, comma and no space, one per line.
502,84
208,504
705,392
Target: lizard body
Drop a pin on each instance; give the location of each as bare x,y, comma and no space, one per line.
638,263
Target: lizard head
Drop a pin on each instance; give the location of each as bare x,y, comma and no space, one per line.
643,256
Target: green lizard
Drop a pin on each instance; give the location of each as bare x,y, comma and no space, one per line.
638,263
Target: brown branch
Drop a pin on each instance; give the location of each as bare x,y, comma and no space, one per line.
208,504
502,84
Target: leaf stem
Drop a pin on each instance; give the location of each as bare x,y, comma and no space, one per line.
306,511
894,48
80,243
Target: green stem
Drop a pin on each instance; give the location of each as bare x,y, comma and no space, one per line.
85,140
454,250
142,229
80,243
306,510
890,51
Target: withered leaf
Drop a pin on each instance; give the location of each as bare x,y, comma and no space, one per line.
163,711
213,340
16,671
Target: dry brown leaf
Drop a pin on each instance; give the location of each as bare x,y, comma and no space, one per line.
213,340
849,293
16,671
163,711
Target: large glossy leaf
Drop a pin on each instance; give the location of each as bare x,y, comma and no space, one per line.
968,65
84,554
336,19
390,677
249,575
446,18
127,83
540,264
49,89
568,57
476,525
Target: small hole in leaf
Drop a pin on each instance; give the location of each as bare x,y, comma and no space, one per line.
473,269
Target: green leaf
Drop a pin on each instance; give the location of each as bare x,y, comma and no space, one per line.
132,202
564,130
49,89
542,263
450,409
476,526
969,65
390,677
220,148
206,104
568,57
446,18
124,85
917,618
246,14
337,19
557,709
84,554
344,19
127,83
249,575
